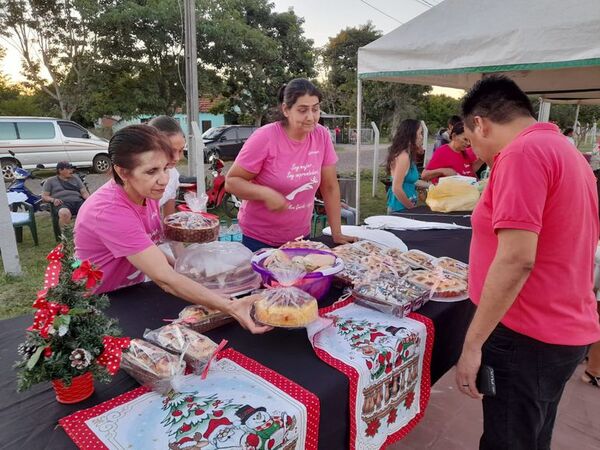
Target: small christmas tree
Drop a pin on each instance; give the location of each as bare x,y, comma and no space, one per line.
70,334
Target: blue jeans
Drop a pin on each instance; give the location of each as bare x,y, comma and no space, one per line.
254,244
530,377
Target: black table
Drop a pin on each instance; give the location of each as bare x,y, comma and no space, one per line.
28,420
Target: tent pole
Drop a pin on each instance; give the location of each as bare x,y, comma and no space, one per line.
576,119
8,242
375,159
358,140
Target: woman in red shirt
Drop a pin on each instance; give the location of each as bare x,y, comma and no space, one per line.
455,158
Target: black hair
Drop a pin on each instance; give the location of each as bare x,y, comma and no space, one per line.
457,129
166,124
128,143
568,131
289,93
453,120
497,98
405,140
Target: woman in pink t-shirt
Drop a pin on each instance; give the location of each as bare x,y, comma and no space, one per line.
279,170
455,158
119,226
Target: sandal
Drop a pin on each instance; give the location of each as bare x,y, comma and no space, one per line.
590,379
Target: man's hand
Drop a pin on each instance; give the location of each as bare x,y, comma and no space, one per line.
466,372
275,201
240,311
343,239
57,202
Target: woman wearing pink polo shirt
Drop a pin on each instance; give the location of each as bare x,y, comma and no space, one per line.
455,158
279,170
119,226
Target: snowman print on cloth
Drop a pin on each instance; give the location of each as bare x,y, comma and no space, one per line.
206,422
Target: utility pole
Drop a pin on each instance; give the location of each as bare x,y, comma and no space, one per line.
191,85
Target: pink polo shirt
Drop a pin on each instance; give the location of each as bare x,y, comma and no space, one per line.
541,183
444,157
290,167
109,228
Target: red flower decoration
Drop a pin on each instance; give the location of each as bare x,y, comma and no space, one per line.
393,416
410,398
88,272
372,428
113,350
47,352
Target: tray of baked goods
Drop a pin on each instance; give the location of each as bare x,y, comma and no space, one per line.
222,266
152,366
201,318
195,348
362,258
391,295
443,287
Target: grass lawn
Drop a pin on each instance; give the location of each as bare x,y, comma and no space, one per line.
18,293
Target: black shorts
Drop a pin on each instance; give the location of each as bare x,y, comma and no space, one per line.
72,206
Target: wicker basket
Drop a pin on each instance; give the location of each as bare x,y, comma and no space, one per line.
179,234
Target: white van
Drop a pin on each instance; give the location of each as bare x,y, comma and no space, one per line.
30,141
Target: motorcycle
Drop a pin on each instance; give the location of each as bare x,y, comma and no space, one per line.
18,185
215,188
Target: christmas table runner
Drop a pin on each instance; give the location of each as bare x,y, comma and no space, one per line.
386,360
240,405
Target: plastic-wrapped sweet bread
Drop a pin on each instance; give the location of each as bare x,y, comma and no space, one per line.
197,349
285,307
151,366
186,226
200,318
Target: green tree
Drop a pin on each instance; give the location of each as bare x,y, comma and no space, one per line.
436,109
255,50
56,44
383,103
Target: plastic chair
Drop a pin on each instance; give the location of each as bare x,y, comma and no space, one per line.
319,217
20,218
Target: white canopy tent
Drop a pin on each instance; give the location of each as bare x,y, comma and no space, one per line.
551,48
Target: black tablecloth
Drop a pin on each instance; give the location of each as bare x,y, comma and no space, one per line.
28,420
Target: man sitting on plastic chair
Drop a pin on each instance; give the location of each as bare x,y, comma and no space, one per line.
320,215
65,192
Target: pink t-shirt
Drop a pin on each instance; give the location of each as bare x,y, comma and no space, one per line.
109,228
290,167
445,157
541,183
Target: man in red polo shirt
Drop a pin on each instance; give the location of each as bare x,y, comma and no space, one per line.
535,231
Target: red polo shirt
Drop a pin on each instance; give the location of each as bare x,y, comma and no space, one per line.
542,183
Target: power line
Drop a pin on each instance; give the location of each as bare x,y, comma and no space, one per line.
382,12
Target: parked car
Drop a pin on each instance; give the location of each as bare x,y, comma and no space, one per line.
30,141
226,141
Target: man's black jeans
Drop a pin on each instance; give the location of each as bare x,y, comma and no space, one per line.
530,377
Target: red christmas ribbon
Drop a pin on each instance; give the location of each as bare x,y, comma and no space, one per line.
113,350
44,316
88,272
54,265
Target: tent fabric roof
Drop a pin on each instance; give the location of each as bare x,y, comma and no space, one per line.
548,47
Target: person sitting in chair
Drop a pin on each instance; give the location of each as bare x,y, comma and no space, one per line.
65,191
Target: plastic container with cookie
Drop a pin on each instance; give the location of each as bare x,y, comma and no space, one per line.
453,266
201,319
318,268
151,366
284,305
221,266
442,286
388,294
197,350
418,259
